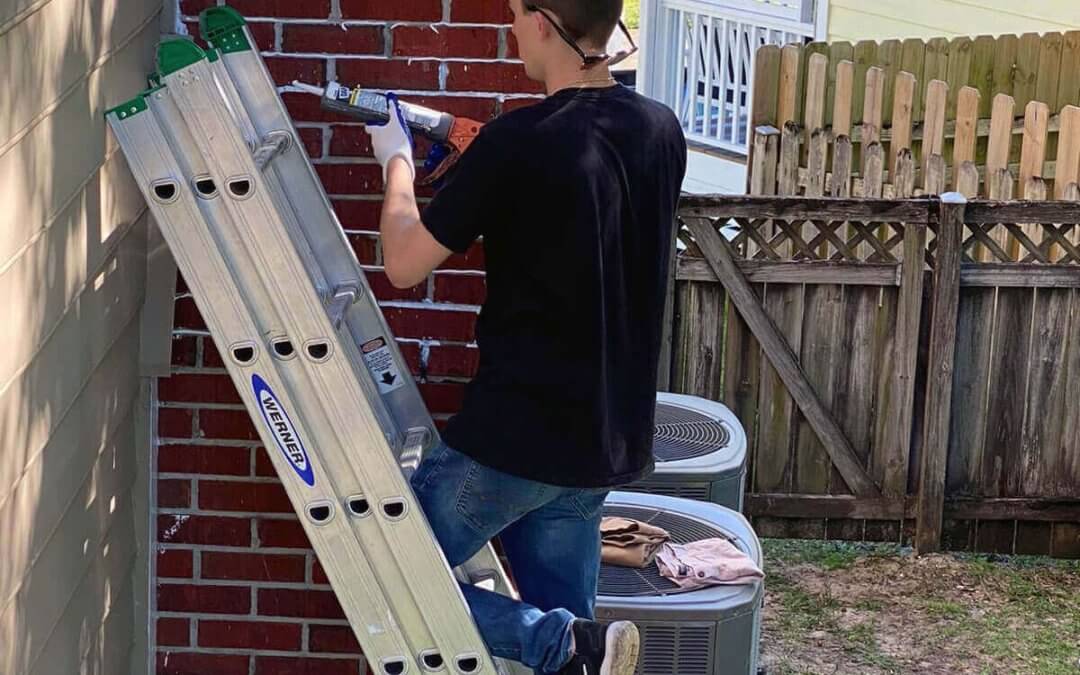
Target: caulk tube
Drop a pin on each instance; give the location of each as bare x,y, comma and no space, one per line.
370,106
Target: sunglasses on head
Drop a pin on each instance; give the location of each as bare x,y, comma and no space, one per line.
587,60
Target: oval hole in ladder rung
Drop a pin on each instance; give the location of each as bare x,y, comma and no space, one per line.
393,666
319,350
284,348
240,187
204,185
394,508
320,512
165,191
468,664
432,661
358,506
243,354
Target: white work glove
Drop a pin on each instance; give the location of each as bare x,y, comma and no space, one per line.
392,139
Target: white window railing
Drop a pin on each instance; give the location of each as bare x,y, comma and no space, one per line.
698,58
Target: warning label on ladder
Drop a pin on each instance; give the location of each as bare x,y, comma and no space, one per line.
380,362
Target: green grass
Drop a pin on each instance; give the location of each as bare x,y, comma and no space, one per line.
944,609
803,612
828,555
861,643
632,13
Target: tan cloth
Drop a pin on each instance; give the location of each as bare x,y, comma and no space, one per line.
707,562
630,543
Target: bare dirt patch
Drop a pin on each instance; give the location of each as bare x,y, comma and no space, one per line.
870,609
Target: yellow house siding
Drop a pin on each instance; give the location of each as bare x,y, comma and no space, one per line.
855,20
73,245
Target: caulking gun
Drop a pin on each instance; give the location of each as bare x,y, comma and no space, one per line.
368,106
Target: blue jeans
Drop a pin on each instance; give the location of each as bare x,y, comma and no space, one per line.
550,534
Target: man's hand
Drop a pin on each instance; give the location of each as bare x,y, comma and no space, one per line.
393,139
410,253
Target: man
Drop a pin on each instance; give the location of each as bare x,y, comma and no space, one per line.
575,200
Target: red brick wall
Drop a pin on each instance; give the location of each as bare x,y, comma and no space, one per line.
238,589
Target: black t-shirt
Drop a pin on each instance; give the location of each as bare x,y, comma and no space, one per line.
575,200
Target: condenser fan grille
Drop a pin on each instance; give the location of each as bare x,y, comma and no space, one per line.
685,434
620,581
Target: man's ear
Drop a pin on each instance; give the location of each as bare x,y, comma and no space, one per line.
543,29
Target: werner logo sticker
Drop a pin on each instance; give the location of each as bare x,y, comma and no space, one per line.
282,429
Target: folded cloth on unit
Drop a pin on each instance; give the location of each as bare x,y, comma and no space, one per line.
630,543
708,562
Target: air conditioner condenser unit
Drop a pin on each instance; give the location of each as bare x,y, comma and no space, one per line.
709,631
700,450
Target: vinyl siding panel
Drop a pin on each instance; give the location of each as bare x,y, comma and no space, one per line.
855,20
73,246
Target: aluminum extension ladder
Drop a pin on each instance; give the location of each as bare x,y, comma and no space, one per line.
221,167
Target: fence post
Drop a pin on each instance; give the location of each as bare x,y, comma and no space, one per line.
939,381
667,330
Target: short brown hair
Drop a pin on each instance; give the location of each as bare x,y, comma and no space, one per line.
590,20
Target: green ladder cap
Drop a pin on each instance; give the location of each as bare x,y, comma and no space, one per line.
174,55
224,27
129,108
212,54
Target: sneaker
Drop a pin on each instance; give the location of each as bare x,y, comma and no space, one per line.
603,649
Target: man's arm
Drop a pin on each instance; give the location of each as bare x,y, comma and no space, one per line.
409,251
413,247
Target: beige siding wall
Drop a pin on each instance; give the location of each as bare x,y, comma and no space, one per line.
855,20
73,241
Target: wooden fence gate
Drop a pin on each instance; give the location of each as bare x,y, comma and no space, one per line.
899,374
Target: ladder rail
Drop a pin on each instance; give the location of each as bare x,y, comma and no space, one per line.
221,303
256,90
323,230
407,541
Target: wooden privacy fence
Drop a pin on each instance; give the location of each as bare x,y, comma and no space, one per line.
892,384
995,117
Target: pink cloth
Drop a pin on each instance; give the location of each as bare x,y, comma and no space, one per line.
706,563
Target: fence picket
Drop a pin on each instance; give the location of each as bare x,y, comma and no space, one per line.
873,170
841,173
967,179
865,58
1069,87
936,66
766,90
904,182
815,174
959,71
838,51
789,75
1026,71
1033,149
903,107
890,54
873,102
816,82
967,114
933,142
1001,124
982,71
1049,79
935,175
913,61
845,82
1068,151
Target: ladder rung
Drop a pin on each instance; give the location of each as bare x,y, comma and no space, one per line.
275,143
344,297
412,449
